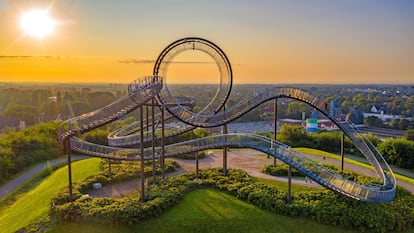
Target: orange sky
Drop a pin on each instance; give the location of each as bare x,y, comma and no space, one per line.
266,41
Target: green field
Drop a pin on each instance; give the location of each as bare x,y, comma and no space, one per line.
34,205
333,156
283,186
209,210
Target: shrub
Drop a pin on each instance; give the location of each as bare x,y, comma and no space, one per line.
398,152
191,156
323,206
281,169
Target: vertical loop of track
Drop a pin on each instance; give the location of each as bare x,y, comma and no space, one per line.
225,83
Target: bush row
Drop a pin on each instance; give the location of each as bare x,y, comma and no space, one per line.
281,169
120,171
191,156
323,206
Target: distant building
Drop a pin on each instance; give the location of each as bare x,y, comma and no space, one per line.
53,99
22,125
312,125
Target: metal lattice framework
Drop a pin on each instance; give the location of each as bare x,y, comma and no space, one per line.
144,89
225,83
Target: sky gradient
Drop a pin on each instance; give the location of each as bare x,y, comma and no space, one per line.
312,41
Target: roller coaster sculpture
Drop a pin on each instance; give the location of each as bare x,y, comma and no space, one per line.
153,90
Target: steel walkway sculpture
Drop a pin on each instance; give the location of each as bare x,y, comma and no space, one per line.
154,87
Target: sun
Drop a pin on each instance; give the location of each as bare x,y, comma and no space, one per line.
37,23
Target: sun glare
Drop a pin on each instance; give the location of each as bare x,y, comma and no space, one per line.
37,23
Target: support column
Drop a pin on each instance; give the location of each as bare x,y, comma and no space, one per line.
195,153
197,167
147,113
224,148
109,167
142,153
69,153
289,194
153,141
342,150
275,126
162,142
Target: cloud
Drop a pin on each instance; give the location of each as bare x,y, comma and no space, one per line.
149,61
134,60
3,5
30,57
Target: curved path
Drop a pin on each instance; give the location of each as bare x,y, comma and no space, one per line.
249,160
28,174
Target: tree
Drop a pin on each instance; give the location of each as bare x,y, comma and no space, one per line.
409,135
398,151
373,121
295,136
98,136
100,99
403,124
295,109
201,133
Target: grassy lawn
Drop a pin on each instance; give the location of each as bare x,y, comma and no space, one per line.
209,210
333,156
34,205
283,186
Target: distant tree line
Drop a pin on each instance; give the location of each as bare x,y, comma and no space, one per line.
401,124
34,106
398,152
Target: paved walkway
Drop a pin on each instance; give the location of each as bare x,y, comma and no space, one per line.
361,170
22,178
395,169
249,160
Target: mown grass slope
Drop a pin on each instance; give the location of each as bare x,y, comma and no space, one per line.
34,205
210,210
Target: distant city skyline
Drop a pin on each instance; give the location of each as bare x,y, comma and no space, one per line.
311,41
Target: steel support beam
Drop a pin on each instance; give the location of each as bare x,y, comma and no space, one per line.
275,126
163,141
289,194
69,153
142,153
224,148
342,150
153,140
109,167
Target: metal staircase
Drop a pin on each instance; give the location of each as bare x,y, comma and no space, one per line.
144,89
